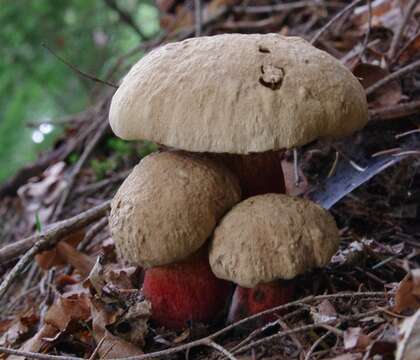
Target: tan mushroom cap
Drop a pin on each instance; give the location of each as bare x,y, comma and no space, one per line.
270,237
168,207
238,93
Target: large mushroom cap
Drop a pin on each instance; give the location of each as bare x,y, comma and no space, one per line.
238,94
272,236
168,207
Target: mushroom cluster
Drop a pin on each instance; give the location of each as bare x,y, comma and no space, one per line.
225,108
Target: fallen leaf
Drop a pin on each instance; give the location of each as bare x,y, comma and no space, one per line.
387,95
80,261
407,296
354,338
37,343
411,51
323,312
50,258
67,309
408,347
19,329
39,195
385,13
111,345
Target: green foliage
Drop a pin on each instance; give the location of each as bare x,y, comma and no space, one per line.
147,148
37,88
120,147
103,167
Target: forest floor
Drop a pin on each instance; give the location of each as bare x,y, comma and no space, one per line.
65,295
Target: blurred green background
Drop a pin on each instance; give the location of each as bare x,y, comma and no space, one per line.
36,90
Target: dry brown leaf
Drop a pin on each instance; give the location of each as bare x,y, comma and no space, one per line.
39,195
385,13
18,329
411,51
50,258
387,95
112,346
354,338
80,261
67,309
407,296
324,312
37,343
409,339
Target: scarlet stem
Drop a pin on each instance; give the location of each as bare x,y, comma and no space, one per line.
258,173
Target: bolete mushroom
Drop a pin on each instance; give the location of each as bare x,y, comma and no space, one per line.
265,240
244,98
160,218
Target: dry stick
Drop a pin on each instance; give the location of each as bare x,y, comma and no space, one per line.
366,40
100,184
315,345
38,356
395,75
395,112
50,238
280,334
397,37
78,71
221,349
91,233
54,232
75,171
334,19
198,14
324,325
126,18
279,7
206,340
203,341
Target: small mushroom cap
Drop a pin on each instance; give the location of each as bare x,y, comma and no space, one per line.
270,237
168,207
238,94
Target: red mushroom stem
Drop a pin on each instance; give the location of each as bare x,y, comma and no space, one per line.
259,173
185,292
246,302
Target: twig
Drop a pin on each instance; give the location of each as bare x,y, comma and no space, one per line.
100,184
279,335
366,40
77,71
406,133
93,231
96,351
75,171
279,7
398,34
205,341
198,15
334,164
54,232
47,240
126,18
315,345
395,112
334,19
395,75
38,356
221,349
